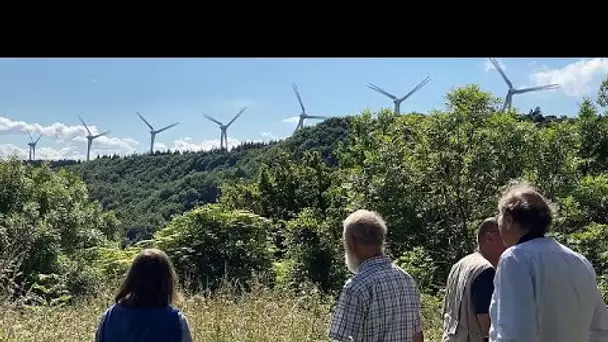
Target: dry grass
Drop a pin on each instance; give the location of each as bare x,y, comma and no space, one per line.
261,315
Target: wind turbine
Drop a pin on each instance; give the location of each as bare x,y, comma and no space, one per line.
224,128
397,101
32,145
512,91
153,133
303,115
90,137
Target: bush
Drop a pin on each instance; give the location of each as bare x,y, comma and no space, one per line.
313,255
209,244
419,264
46,220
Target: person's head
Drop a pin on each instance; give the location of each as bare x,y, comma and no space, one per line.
523,210
150,281
489,240
364,234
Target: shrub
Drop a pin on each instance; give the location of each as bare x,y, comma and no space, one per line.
312,254
419,264
209,244
46,220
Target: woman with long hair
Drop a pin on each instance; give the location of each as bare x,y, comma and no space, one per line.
143,308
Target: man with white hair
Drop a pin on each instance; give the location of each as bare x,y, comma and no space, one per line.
544,291
381,302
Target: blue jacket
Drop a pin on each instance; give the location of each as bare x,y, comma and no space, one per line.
124,324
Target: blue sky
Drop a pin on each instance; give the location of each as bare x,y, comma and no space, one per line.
46,95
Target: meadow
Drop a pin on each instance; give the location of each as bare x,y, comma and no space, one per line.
262,315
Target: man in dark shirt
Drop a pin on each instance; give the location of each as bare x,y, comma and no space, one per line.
470,286
481,293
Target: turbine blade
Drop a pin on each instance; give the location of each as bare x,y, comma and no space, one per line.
28,133
502,73
101,134
317,117
166,128
418,87
144,120
212,119
295,90
38,139
545,87
236,116
381,91
84,124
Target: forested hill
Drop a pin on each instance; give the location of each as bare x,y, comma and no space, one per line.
145,191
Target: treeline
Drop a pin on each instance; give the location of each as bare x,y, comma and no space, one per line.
433,177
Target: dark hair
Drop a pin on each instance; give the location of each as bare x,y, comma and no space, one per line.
150,281
526,207
488,225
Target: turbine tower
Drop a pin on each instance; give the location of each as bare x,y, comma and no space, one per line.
153,132
397,101
90,137
32,145
224,128
304,115
512,91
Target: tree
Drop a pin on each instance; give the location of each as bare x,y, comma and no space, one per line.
47,223
602,93
209,244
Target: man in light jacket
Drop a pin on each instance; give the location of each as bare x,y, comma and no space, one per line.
544,291
469,288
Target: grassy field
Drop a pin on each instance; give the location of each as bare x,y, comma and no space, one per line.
260,316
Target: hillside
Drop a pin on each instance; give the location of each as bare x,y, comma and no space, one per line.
145,191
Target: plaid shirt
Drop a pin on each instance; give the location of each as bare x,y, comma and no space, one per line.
380,304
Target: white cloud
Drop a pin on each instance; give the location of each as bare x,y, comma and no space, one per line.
576,79
188,144
291,119
489,66
10,150
131,141
73,142
160,147
269,135
72,137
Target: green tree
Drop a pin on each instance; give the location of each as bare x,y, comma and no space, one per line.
47,222
602,93
209,244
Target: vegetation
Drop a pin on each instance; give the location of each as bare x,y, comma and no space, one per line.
147,191
272,213
259,315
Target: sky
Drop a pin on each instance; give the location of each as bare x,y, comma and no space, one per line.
45,96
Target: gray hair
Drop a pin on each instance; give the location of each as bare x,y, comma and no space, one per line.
366,227
526,207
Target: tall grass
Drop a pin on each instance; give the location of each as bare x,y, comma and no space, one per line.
259,315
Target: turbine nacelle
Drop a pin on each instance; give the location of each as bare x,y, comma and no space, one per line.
90,137
512,90
224,127
303,115
154,132
397,101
